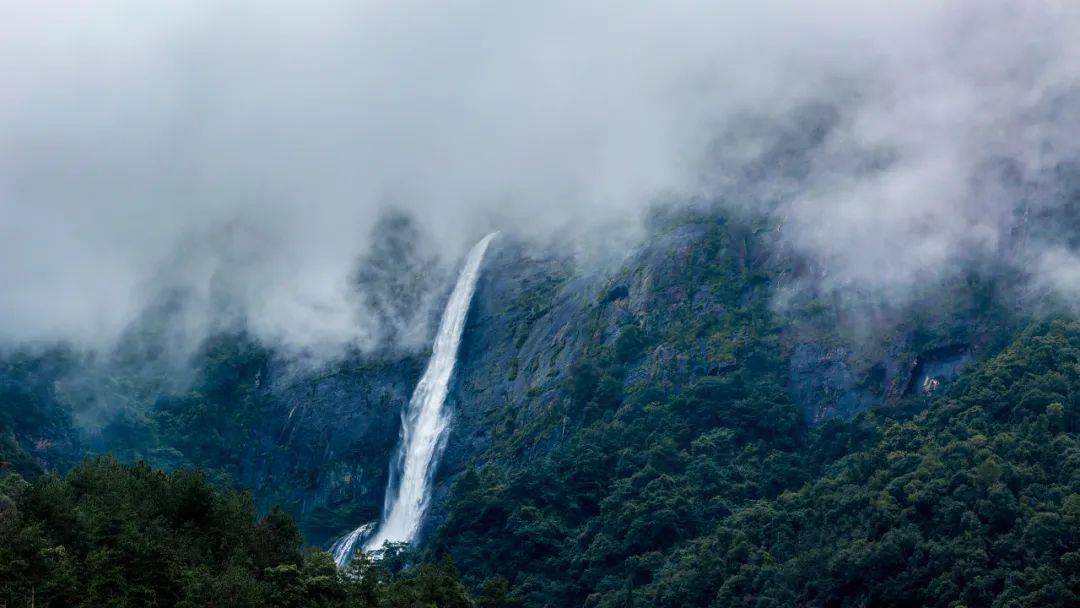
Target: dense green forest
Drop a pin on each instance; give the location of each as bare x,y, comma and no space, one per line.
109,534
719,495
712,493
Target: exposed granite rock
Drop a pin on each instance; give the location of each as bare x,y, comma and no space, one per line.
323,449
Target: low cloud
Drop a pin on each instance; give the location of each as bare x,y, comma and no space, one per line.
244,153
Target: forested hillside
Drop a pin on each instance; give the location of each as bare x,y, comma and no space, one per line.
719,495
108,534
666,432
973,501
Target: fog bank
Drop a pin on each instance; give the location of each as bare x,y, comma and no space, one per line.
243,153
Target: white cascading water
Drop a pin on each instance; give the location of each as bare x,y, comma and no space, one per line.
424,423
342,549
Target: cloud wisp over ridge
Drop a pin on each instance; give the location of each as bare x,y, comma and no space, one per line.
244,153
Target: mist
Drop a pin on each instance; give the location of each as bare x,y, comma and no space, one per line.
244,153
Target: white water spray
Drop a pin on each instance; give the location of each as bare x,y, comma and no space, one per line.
342,549
424,423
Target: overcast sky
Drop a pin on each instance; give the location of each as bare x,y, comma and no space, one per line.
243,150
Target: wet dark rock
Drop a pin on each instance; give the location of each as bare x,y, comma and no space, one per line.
323,449
938,365
823,384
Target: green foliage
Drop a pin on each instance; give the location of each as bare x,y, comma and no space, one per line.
35,426
651,466
971,503
119,535
713,492
206,423
630,343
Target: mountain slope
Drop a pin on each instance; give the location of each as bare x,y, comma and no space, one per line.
975,501
623,434
681,406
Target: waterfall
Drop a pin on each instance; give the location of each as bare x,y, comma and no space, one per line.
342,549
424,423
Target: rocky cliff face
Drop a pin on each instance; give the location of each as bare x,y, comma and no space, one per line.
323,449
